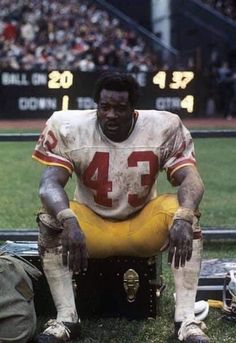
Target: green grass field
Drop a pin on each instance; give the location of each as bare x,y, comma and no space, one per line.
19,201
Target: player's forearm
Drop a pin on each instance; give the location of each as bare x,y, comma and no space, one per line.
191,191
53,197
51,189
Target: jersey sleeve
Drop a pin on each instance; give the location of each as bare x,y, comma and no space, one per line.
50,148
179,151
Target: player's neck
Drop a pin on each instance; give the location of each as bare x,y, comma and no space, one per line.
132,125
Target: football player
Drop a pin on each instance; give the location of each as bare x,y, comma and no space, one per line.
116,153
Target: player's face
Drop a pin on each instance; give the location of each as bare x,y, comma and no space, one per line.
115,114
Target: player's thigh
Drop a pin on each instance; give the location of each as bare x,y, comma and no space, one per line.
141,235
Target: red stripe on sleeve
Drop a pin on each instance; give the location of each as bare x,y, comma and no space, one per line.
50,160
188,161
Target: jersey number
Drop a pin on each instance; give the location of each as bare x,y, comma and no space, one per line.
96,176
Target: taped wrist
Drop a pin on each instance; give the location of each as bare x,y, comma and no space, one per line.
184,213
65,214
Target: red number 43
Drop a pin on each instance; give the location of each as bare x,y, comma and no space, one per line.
96,176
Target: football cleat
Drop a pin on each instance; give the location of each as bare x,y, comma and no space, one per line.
191,332
59,332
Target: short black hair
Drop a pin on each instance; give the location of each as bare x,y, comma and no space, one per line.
117,81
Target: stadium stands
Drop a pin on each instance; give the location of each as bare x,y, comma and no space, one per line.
76,34
225,7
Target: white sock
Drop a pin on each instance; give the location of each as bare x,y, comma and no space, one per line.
186,282
60,282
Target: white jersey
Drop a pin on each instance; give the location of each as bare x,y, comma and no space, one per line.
115,179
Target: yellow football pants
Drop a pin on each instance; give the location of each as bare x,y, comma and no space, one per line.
142,235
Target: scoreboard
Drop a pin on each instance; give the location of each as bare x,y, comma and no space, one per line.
37,94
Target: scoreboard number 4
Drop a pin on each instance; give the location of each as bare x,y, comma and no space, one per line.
188,103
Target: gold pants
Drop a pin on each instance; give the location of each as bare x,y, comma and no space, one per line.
142,235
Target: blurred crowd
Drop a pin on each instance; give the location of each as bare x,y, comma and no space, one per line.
221,74
226,83
221,91
75,34
226,7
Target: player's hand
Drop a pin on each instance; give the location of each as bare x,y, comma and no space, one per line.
180,243
74,250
